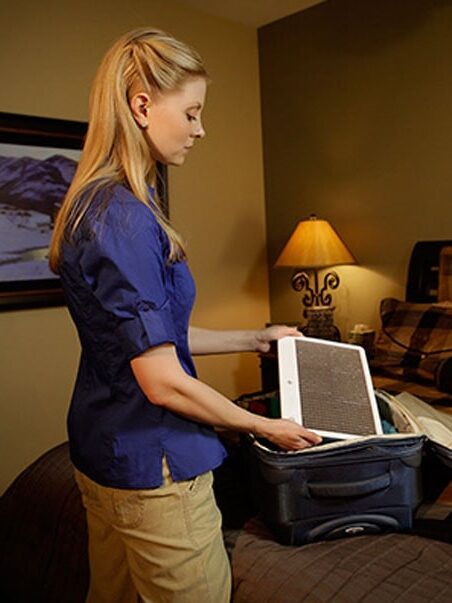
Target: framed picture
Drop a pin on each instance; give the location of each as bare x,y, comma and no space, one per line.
38,158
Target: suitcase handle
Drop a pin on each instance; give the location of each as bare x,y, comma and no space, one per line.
358,488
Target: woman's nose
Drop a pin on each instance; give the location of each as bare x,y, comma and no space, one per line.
200,132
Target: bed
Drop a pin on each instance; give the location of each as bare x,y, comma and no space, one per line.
44,548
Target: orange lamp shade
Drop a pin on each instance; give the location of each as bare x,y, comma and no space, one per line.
314,244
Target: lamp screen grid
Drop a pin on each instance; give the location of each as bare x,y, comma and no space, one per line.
333,392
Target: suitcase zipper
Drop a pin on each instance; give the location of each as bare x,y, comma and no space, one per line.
328,456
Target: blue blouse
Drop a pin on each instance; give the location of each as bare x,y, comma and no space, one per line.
124,298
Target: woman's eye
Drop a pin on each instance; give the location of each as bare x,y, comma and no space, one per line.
191,117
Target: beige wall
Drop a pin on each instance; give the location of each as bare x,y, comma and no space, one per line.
357,126
49,51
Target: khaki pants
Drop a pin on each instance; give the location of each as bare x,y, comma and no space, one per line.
162,545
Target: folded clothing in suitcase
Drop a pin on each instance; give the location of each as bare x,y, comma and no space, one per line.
360,486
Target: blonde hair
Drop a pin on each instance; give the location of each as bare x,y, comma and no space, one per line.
115,148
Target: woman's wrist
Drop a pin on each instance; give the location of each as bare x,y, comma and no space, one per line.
255,339
247,340
259,426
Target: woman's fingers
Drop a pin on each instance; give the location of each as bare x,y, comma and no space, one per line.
289,435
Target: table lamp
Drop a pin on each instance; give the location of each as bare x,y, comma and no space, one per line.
314,245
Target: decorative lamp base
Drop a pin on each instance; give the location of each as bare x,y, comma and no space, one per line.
320,323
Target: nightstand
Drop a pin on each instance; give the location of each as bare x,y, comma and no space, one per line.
269,370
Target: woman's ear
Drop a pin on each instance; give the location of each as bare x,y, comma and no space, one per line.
140,104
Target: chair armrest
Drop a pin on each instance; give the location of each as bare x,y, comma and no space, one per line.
443,376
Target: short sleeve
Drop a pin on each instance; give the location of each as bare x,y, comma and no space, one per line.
124,264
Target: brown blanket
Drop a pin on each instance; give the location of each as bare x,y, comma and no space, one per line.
370,569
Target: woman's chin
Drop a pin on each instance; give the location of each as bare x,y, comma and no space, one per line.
179,160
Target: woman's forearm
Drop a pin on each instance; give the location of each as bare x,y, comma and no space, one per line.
196,400
165,383
207,341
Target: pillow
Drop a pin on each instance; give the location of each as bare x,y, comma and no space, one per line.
415,339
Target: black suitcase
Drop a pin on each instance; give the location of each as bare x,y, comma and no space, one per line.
360,486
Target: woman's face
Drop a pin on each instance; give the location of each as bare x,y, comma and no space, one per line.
174,121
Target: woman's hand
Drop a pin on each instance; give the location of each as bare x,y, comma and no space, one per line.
264,337
286,434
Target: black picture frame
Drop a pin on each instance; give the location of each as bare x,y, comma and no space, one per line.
34,131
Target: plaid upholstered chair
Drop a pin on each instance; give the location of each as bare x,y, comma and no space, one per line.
445,275
413,350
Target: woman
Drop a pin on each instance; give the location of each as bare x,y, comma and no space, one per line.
140,422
